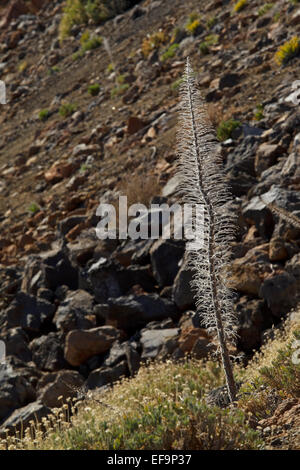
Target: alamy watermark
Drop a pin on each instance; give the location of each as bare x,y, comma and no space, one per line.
2,351
2,92
159,221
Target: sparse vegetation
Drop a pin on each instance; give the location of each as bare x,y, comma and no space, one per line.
272,375
226,129
210,40
23,66
287,51
265,9
193,25
94,89
53,70
211,22
161,408
284,373
140,188
240,5
44,114
33,208
175,85
119,90
67,109
153,41
170,52
77,12
91,43
259,113
110,68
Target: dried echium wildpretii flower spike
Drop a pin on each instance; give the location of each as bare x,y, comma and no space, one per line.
203,183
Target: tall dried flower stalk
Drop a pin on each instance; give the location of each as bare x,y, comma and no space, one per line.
203,182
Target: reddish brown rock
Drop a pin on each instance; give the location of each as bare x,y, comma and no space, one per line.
82,344
58,171
277,250
134,125
14,10
189,336
66,384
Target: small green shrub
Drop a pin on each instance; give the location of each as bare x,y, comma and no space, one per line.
88,43
240,5
170,52
204,48
119,90
176,85
259,113
265,8
84,167
44,114
177,35
287,51
226,128
211,22
284,373
91,43
110,68
33,208
78,12
67,109
152,42
77,55
94,89
210,40
121,86
193,25
74,13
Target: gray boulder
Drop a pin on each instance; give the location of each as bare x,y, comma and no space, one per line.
29,312
153,340
20,418
130,313
75,312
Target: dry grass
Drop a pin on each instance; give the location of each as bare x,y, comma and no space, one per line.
140,188
163,407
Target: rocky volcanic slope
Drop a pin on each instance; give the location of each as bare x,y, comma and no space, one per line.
77,311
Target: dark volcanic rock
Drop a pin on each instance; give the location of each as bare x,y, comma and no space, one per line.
182,292
15,390
280,292
29,312
49,270
252,318
153,341
21,417
133,312
110,279
48,353
165,257
107,375
75,312
124,351
16,342
67,383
